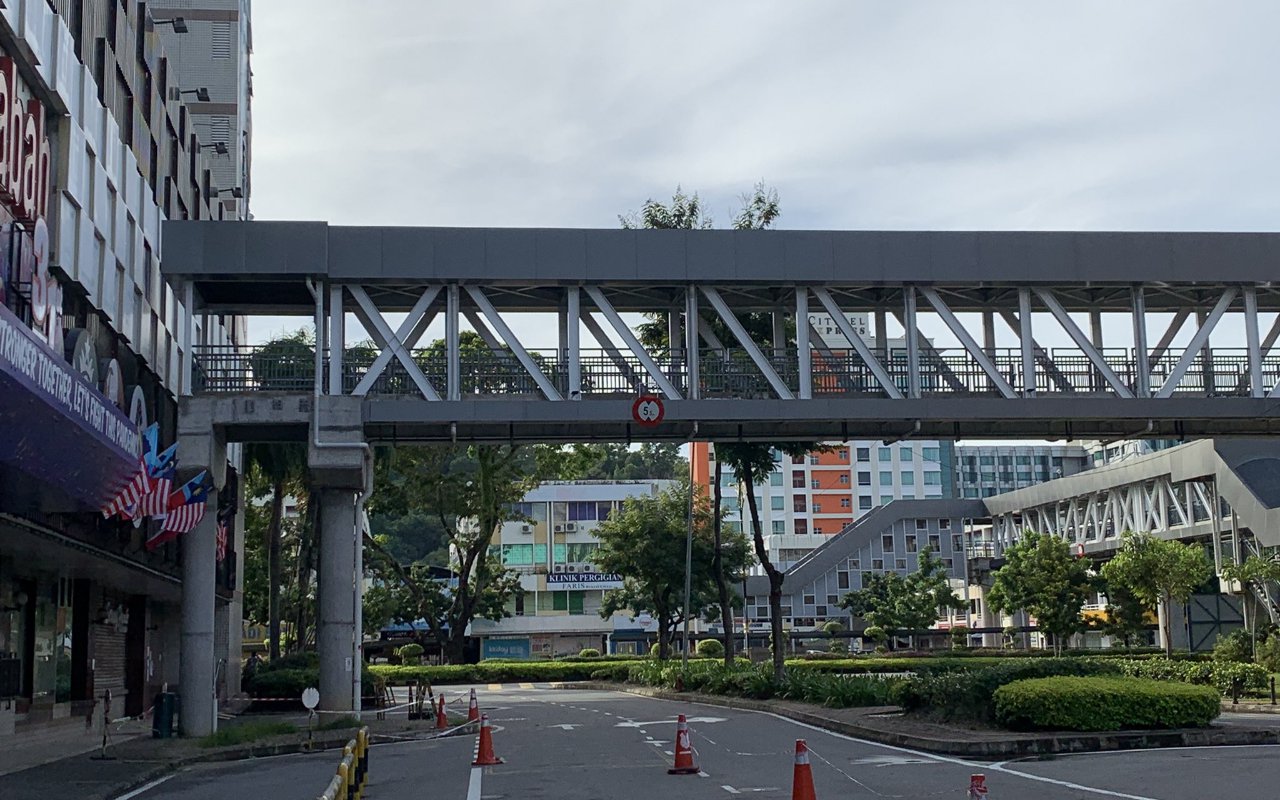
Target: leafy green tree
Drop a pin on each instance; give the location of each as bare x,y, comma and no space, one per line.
645,542
470,491
1254,572
618,462
280,466
1040,576
890,601
1158,572
1126,615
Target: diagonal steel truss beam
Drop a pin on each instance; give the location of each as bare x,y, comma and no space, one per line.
633,344
408,334
638,385
372,319
517,349
1198,341
1083,342
975,352
753,350
877,369
1040,355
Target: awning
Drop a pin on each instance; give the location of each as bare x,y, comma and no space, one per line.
56,426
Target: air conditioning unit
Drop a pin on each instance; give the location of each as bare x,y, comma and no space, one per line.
570,527
558,568
572,568
559,528
526,529
588,568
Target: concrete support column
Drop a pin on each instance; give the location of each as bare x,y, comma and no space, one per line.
337,635
199,710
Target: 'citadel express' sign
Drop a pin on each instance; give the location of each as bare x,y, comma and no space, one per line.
582,581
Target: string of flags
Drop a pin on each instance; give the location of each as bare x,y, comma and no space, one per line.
150,493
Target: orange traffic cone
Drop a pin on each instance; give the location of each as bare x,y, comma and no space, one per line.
802,776
484,752
684,751
442,717
473,711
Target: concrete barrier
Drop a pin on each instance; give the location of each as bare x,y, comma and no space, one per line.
353,770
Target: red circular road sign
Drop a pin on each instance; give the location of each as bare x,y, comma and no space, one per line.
648,410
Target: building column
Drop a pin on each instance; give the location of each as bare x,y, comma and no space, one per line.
200,447
336,636
199,710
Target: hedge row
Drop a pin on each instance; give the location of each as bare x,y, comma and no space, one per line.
967,694
1223,675
1103,704
287,684
503,672
757,682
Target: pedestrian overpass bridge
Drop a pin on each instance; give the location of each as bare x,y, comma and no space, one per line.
1113,334
561,353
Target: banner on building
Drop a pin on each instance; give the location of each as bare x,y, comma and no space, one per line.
582,581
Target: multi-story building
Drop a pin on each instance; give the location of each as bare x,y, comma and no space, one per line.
552,547
986,470
1103,453
97,147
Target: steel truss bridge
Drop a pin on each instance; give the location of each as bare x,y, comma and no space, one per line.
1190,323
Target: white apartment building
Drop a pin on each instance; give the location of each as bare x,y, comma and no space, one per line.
552,549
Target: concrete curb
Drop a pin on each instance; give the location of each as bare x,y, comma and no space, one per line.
994,749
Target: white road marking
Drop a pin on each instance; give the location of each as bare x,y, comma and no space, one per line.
145,788
473,787
690,720
951,760
732,790
565,726
894,761
668,752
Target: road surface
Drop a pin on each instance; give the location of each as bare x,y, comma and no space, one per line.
584,745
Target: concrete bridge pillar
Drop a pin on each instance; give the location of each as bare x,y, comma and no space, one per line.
338,463
200,447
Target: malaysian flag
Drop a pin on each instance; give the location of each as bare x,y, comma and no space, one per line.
127,498
155,503
186,509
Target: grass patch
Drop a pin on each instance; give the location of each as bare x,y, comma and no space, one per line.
247,732
339,723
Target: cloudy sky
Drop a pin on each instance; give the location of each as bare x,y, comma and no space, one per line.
915,115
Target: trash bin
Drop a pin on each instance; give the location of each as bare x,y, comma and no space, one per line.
166,706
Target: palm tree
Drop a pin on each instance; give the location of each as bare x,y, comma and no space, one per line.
281,465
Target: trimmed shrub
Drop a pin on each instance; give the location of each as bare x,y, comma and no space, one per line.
710,648
968,693
588,652
1224,675
410,653
1234,646
287,684
1068,703
1269,653
504,672
757,683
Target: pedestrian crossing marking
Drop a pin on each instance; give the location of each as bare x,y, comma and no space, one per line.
495,687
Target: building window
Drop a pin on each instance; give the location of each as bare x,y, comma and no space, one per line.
813,459
901,563
809,600
844,479
935,542
944,524
775,478
1023,460
906,454
876,564
886,478
802,527
886,542
779,526
933,479
864,503
842,580
886,499
815,484
776,502
817,508
821,611
864,478
884,455
911,543
845,502
987,461
922,524
933,454
798,503
908,479
844,453
957,543
864,453
797,480
833,599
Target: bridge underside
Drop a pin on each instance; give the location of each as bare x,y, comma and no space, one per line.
258,417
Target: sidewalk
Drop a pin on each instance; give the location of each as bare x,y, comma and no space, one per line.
888,725
140,759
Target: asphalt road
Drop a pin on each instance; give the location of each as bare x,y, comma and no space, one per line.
576,745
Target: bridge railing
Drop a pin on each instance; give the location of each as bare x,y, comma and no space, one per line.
728,372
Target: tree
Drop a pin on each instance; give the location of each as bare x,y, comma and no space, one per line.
618,462
890,601
645,542
278,468
1158,572
1126,615
1041,577
470,491
1255,572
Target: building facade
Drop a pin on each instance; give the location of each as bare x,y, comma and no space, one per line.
98,149
986,470
552,548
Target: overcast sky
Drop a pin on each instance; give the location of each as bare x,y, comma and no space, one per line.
919,115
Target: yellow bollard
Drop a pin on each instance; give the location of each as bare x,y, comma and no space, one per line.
344,780
335,788
362,761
